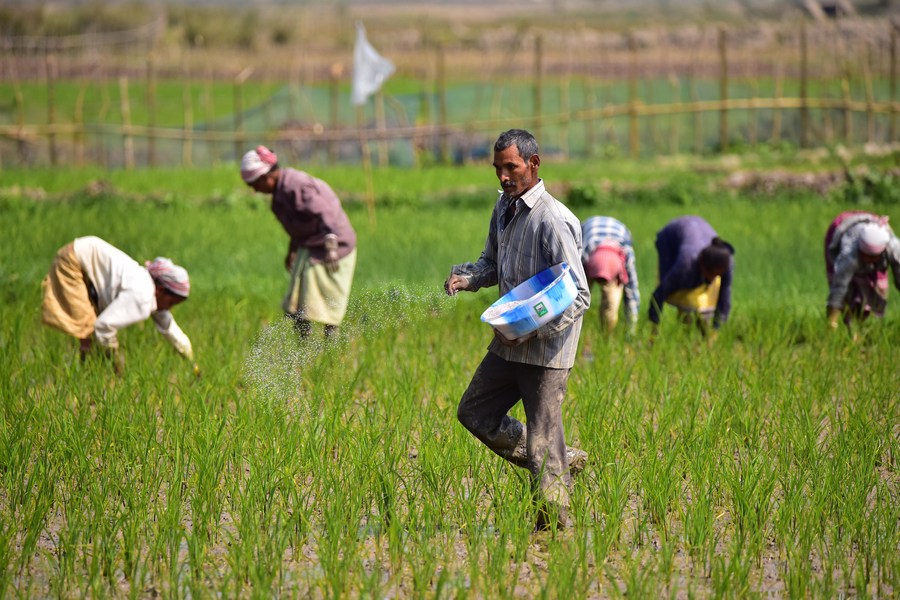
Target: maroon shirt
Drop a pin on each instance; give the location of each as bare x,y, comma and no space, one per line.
308,209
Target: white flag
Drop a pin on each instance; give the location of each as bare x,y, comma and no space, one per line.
370,69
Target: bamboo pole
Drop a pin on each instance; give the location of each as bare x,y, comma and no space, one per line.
209,111
892,60
367,162
565,110
590,101
187,104
239,81
21,146
776,113
698,120
804,92
151,110
633,134
848,116
723,89
870,93
538,84
754,115
651,121
443,127
127,139
51,107
78,136
676,93
380,128
334,92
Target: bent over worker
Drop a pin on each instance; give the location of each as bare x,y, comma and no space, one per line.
321,256
93,290
608,259
859,248
695,273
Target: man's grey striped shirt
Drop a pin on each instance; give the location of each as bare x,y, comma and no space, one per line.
542,233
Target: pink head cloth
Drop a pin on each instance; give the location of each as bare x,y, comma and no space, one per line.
257,163
169,275
607,263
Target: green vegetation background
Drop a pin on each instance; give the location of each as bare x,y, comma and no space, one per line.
298,469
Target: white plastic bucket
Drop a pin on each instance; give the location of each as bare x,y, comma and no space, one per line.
533,303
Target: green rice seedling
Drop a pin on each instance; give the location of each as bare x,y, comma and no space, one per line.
305,469
637,581
750,483
731,570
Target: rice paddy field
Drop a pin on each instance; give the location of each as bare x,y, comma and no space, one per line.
765,465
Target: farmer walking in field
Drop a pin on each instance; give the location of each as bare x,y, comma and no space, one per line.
695,272
859,248
93,290
608,259
529,231
321,256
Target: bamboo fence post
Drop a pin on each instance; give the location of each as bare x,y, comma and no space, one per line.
209,112
239,111
564,108
20,120
51,108
804,92
828,124
127,139
293,91
238,104
538,84
590,102
334,91
776,113
848,117
565,105
633,137
653,133
676,94
754,114
870,93
442,105
366,161
698,117
187,104
723,90
78,135
892,61
381,128
151,112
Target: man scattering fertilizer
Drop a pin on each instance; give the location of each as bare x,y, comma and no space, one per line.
859,248
529,232
695,273
321,255
94,289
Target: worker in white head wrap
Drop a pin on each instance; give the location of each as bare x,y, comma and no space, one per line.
859,249
93,290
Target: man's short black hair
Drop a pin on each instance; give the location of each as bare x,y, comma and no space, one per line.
717,255
521,139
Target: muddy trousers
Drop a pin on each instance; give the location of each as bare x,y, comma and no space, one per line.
541,448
